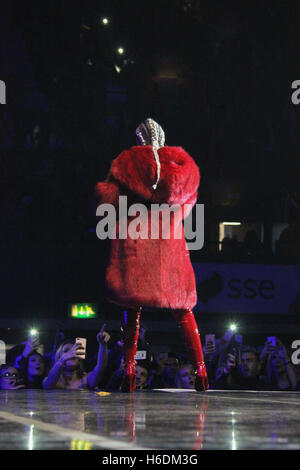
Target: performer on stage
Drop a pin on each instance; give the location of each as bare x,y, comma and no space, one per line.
153,272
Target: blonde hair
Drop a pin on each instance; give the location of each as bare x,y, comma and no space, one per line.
59,353
178,383
151,133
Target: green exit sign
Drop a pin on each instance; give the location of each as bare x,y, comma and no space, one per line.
83,310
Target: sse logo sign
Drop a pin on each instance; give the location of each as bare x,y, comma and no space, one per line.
250,289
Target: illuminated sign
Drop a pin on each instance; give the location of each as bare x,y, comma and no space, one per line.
77,444
83,310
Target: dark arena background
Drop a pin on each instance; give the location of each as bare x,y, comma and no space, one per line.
222,80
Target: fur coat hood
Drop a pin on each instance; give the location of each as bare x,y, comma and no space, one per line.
135,170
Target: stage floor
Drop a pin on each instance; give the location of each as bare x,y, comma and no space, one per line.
181,419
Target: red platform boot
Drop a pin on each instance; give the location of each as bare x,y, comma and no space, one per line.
187,323
131,326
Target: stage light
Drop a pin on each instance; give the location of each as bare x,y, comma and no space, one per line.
232,327
121,50
232,223
105,21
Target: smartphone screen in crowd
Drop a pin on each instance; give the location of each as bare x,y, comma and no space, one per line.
82,342
34,334
210,339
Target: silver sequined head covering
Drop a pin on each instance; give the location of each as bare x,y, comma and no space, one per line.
151,133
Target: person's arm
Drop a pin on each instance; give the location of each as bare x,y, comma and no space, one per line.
291,374
12,386
267,350
224,374
21,362
94,377
288,366
53,376
31,345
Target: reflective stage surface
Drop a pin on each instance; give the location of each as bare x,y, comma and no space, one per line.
36,419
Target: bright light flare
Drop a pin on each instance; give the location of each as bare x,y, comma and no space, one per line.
231,223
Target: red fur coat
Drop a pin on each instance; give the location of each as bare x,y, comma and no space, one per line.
144,271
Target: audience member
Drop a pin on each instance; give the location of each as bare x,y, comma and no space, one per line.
9,378
68,371
141,376
31,364
231,366
33,370
185,377
280,372
163,371
243,375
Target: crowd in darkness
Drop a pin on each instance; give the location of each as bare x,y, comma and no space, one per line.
230,365
45,188
47,192
53,152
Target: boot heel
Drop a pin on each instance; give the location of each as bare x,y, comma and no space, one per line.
201,383
187,323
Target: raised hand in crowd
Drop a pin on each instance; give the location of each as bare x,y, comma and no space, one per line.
32,344
76,351
103,337
94,377
267,350
68,370
280,371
